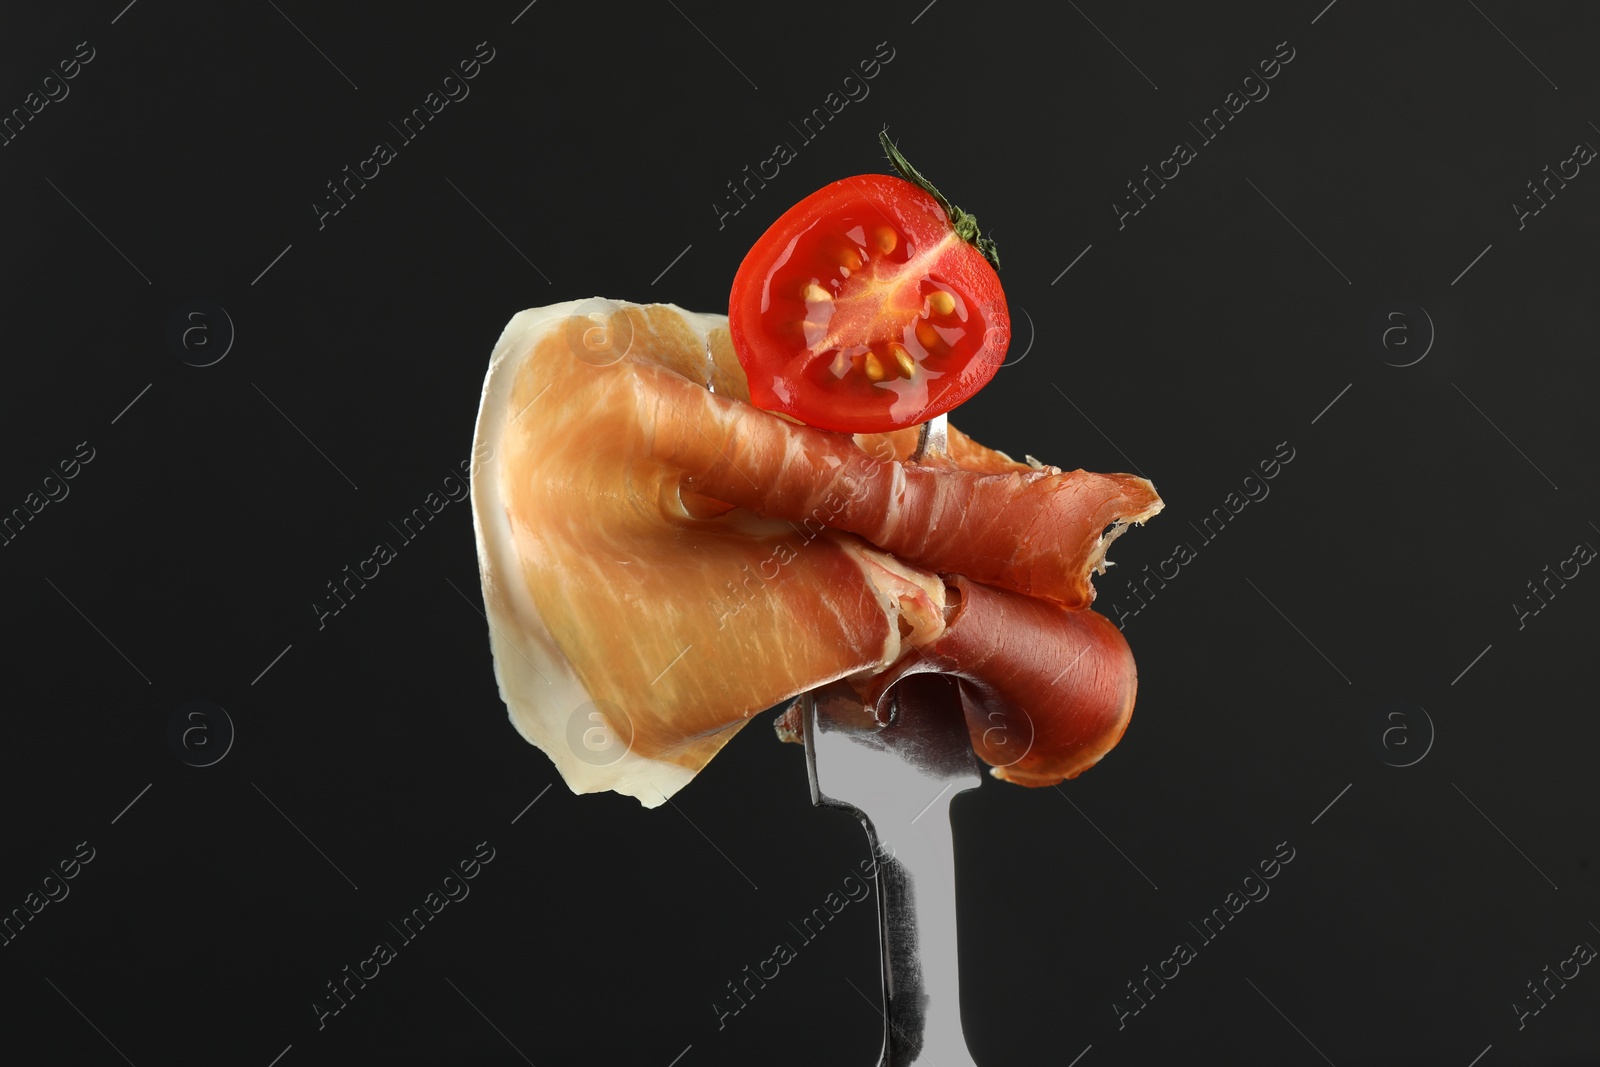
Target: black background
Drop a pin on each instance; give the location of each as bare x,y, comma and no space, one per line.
1199,336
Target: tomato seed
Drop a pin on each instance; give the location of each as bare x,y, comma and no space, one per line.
908,366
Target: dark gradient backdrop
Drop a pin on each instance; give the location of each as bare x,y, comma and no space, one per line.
1348,665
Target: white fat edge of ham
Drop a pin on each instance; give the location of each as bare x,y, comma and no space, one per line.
540,688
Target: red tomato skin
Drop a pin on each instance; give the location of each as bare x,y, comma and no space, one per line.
853,406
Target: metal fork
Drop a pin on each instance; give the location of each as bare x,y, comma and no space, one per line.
899,780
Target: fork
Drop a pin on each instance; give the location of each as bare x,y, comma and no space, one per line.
887,775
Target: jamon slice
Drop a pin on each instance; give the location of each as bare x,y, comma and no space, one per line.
1046,691
660,560
1007,524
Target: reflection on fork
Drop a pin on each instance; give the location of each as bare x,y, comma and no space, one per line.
899,781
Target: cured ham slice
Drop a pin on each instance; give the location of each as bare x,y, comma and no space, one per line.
1031,531
661,560
1046,691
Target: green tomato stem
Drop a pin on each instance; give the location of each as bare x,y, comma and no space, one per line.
966,224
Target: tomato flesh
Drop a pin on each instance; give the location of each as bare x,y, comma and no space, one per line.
862,311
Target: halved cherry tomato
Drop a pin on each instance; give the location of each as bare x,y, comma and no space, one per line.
862,309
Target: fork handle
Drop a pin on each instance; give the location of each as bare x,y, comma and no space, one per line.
917,935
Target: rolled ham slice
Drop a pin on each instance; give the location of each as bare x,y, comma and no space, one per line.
1046,691
661,560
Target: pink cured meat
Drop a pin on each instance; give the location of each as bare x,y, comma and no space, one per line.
663,559
1046,691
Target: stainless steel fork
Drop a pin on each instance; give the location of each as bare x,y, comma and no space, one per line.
899,780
